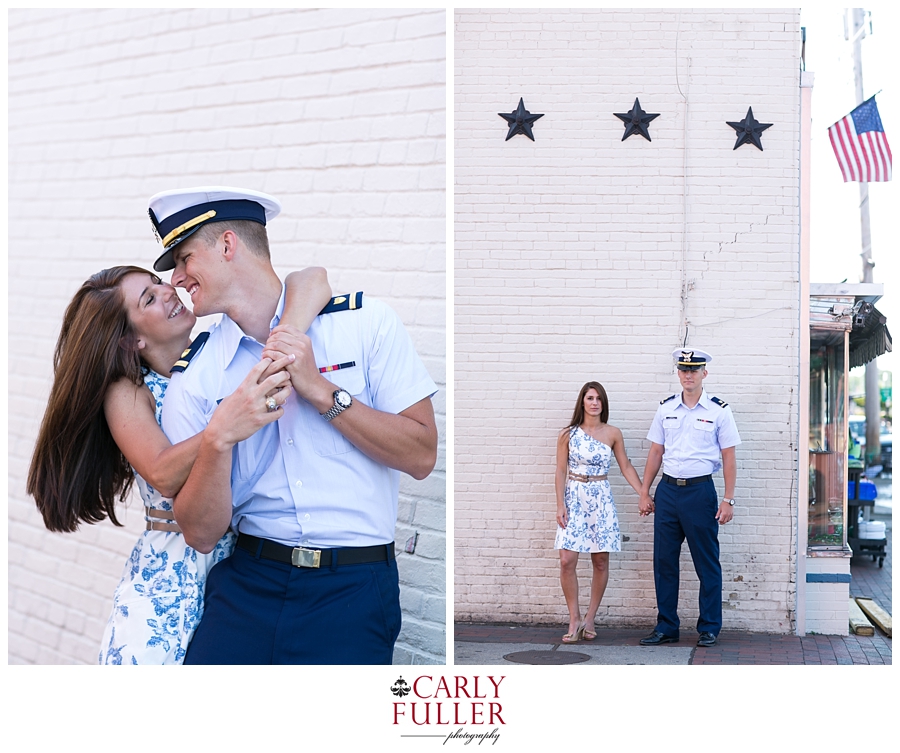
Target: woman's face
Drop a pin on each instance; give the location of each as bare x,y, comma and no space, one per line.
592,404
155,310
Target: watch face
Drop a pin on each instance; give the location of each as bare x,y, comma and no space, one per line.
343,398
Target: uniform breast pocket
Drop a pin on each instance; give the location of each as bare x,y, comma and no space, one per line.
671,423
705,430
325,438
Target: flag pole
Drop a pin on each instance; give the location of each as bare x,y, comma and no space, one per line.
873,394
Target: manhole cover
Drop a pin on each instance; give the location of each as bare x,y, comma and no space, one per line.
547,657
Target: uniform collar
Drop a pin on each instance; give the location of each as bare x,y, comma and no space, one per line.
233,335
279,309
704,400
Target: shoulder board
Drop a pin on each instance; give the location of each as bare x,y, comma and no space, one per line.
182,363
718,401
670,397
343,303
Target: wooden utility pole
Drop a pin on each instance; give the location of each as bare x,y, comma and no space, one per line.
873,393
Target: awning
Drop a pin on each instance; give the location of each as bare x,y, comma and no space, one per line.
869,339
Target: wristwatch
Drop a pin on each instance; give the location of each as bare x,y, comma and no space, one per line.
342,401
729,501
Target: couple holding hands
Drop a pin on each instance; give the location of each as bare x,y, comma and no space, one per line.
692,436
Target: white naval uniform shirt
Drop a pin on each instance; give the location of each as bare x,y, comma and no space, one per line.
298,481
693,437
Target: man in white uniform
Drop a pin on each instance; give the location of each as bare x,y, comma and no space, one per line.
689,432
313,495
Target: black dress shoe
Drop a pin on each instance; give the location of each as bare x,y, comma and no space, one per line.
656,638
706,640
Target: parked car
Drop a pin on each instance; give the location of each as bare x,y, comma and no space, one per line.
858,432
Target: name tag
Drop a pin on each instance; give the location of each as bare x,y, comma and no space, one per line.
671,422
703,424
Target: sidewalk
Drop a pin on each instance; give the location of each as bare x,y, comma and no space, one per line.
867,579
504,643
491,644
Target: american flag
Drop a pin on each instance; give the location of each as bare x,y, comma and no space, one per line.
861,146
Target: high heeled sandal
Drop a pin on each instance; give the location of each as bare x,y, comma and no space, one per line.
574,637
588,635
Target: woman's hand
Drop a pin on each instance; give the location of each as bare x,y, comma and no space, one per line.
562,516
245,411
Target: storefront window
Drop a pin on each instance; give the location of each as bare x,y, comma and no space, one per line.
827,440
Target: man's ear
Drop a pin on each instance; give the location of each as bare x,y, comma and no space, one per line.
229,244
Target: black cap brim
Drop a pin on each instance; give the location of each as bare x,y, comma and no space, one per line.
166,260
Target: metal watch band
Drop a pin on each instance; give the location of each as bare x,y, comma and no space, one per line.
337,408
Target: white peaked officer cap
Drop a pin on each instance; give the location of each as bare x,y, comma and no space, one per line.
690,359
181,212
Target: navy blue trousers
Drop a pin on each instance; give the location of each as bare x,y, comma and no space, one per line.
264,612
687,512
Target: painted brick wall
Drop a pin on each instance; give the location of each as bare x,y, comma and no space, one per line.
826,602
341,114
581,256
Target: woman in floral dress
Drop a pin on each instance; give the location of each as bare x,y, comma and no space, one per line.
121,335
585,511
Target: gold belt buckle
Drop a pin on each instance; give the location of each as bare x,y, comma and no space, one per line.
680,482
301,557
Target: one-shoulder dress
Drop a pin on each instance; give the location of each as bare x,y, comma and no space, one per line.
159,601
593,525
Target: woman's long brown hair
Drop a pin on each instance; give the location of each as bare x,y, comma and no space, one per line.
578,413
77,472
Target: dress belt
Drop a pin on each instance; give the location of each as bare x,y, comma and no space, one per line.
586,479
685,481
167,522
299,556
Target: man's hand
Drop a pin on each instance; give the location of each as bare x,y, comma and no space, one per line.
725,513
284,341
645,504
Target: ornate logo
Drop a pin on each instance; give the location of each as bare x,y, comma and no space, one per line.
400,688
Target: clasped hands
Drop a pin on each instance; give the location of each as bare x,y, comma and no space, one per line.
645,504
285,341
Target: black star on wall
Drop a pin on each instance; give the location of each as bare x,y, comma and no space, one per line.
520,121
749,130
636,121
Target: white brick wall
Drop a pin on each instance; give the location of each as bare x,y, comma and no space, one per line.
826,603
568,267
338,113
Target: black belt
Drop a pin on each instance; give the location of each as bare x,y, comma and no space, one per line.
307,557
685,481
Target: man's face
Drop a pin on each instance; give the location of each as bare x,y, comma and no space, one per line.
198,269
691,380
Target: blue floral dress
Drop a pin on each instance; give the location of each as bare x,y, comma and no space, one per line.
593,525
159,600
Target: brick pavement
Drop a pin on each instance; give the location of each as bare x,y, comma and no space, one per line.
734,647
867,579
